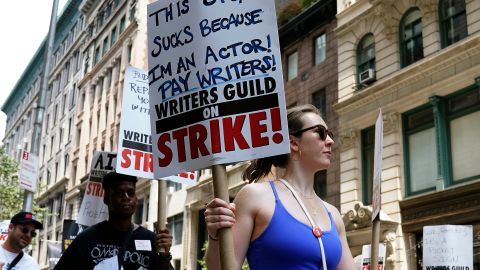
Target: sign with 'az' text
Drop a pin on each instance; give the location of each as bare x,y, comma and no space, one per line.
93,210
216,86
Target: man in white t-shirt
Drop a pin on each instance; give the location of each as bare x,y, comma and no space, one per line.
20,233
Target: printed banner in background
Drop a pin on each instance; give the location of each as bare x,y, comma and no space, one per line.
135,143
448,247
93,210
54,251
70,231
216,86
28,171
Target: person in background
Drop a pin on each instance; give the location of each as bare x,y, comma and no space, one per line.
117,243
21,231
283,224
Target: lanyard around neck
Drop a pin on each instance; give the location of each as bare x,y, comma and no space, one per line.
310,219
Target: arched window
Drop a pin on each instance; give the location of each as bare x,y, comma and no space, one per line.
453,21
366,59
411,43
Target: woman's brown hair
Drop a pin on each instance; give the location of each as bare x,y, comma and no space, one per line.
261,167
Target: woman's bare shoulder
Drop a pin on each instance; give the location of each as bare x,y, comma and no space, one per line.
253,193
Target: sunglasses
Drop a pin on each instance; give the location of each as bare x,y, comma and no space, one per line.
322,131
27,231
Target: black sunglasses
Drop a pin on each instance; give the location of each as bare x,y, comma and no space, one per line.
27,231
322,131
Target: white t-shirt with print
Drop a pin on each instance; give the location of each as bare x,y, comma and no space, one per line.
26,263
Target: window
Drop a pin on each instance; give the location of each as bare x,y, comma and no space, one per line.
49,177
173,186
175,226
60,138
105,46
65,167
97,56
318,100
114,36
453,21
411,37
441,142
420,150
73,97
365,54
320,49
122,24
60,206
292,67
69,128
129,51
368,148
64,103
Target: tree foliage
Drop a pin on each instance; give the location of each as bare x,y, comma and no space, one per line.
11,196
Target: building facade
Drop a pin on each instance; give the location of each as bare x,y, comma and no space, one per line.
419,61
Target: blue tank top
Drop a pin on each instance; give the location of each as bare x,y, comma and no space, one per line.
288,243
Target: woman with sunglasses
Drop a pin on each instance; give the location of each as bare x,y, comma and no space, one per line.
283,224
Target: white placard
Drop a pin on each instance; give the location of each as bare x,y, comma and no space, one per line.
93,210
366,256
448,247
216,85
28,171
134,138
377,166
135,143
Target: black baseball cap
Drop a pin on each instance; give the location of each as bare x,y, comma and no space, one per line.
25,218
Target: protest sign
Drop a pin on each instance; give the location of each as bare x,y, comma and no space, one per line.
366,256
448,247
93,210
54,251
70,231
4,230
216,86
188,178
28,171
135,143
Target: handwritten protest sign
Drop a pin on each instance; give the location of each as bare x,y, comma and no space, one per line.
216,87
448,247
93,210
28,171
135,143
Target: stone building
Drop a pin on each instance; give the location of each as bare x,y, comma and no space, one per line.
419,61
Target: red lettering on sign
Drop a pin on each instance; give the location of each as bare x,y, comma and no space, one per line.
142,160
197,135
3,237
232,138
94,189
232,132
125,163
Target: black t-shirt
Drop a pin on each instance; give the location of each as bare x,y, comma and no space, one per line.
101,242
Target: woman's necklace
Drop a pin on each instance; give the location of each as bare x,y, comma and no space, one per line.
311,197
